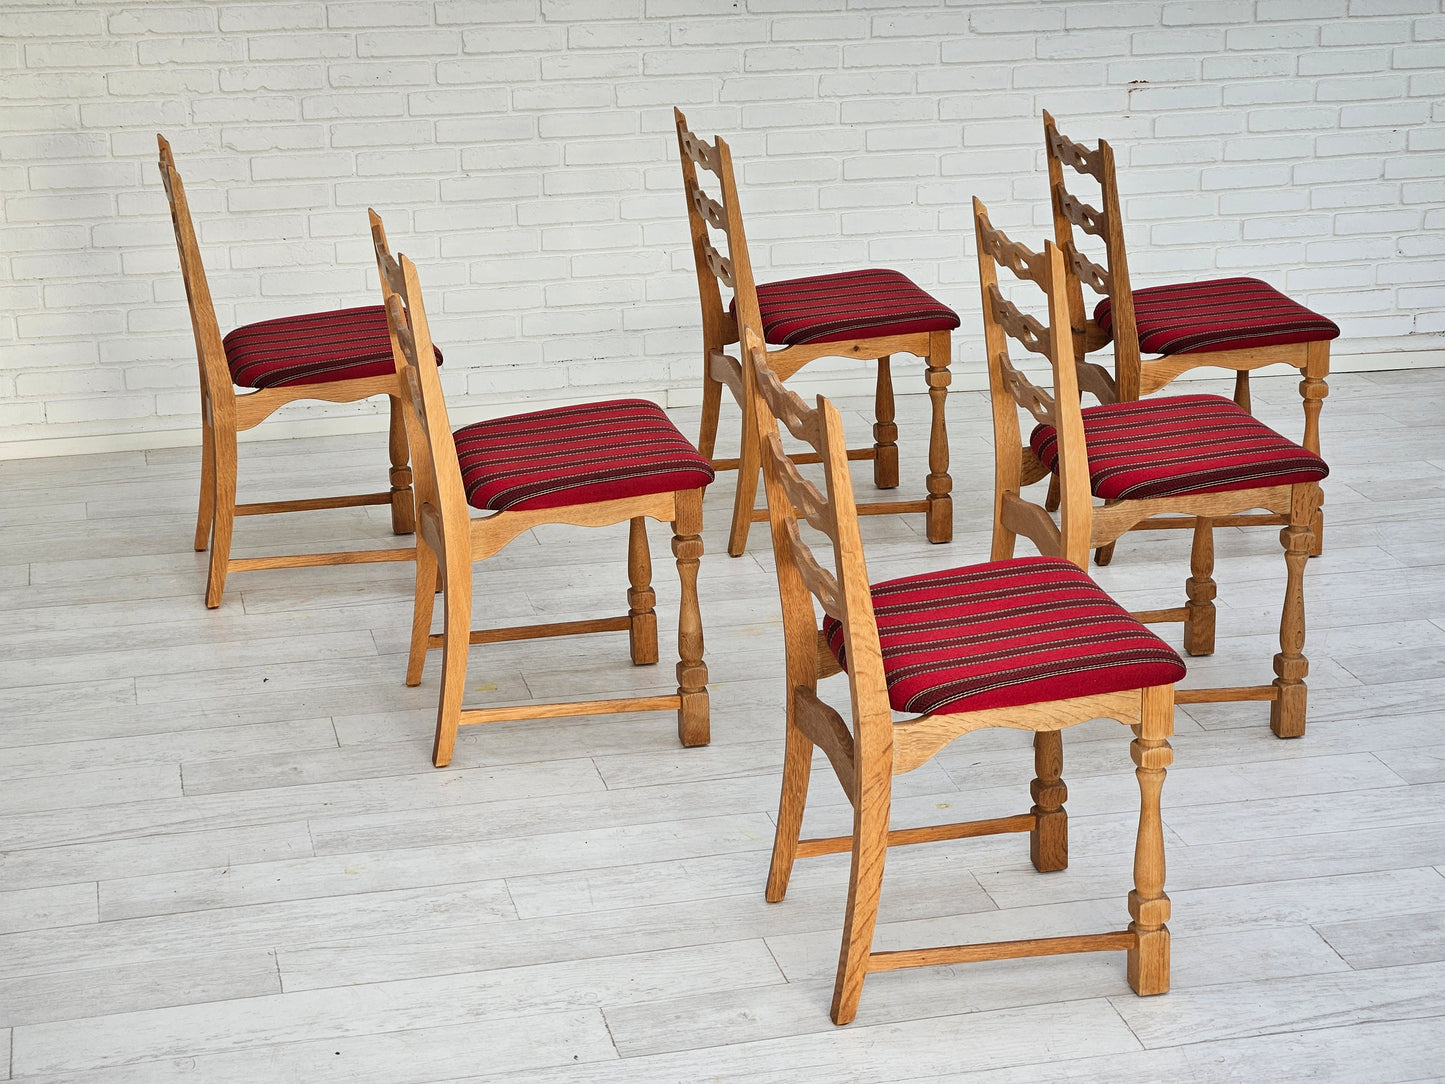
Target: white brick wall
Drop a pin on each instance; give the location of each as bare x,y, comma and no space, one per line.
522,152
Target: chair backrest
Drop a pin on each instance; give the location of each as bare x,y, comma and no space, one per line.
1010,389
1109,279
714,268
216,386
441,503
843,592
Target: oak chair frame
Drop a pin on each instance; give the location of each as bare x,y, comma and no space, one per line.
866,756
224,414
720,330
450,540
1016,466
1135,376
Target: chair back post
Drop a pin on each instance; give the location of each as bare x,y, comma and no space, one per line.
218,393
844,594
1011,390
441,504
734,269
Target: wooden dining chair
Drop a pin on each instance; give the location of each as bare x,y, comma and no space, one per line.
1030,643
339,357
1239,324
1202,457
871,313
593,465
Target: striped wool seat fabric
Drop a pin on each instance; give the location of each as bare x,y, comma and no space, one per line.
1221,314
1172,445
1023,631
847,305
576,455
314,348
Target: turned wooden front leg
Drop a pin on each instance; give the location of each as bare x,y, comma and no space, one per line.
1200,589
403,503
1148,960
885,432
1049,838
1287,712
940,485
1313,389
692,711
642,618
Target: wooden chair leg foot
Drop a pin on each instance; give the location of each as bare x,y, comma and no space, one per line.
1287,714
1049,842
939,522
1103,555
693,715
1148,962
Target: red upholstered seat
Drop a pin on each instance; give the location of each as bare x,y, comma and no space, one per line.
1172,445
1221,314
1006,633
314,348
850,304
577,455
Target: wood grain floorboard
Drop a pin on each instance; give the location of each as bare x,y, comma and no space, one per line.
225,856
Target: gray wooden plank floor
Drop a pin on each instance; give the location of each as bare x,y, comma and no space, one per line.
224,855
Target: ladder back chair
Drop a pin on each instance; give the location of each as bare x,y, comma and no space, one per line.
871,313
1029,643
593,465
339,357
1197,456
1237,324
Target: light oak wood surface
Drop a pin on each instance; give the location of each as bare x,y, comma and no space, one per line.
1305,876
450,540
867,746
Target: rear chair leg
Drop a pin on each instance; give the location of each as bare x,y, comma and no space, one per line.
865,884
223,448
456,642
797,765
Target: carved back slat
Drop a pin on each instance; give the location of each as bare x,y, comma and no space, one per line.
217,390
1009,389
843,593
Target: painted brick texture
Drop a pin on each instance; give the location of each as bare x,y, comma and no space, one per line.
521,151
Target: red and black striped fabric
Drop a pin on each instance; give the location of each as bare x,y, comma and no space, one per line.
1221,314
315,348
577,455
831,308
1006,633
1168,446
